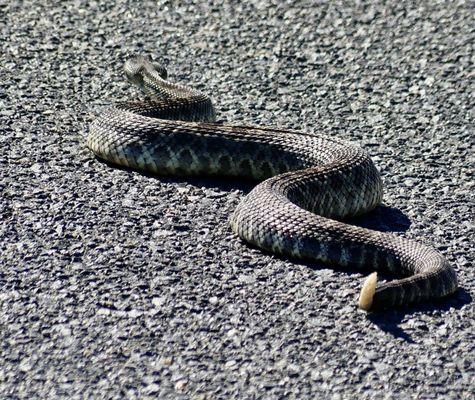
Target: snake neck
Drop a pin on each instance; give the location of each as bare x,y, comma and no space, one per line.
152,79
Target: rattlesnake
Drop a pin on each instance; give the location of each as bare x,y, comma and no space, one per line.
309,184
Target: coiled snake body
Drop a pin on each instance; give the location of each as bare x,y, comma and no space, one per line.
309,183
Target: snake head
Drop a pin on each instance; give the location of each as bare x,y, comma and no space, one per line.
134,69
137,68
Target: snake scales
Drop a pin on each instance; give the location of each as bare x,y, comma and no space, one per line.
309,184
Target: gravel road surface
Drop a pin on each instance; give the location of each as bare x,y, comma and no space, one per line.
116,284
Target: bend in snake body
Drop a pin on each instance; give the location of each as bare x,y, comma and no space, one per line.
309,183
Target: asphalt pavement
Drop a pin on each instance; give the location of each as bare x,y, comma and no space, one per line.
118,284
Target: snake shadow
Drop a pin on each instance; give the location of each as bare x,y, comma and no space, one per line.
221,183
390,320
383,218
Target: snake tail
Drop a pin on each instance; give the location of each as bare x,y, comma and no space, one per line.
365,300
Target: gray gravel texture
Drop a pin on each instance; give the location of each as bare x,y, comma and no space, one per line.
118,284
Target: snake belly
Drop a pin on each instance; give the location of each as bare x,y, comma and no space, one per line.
308,185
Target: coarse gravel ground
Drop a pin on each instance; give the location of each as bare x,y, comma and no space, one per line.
116,284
